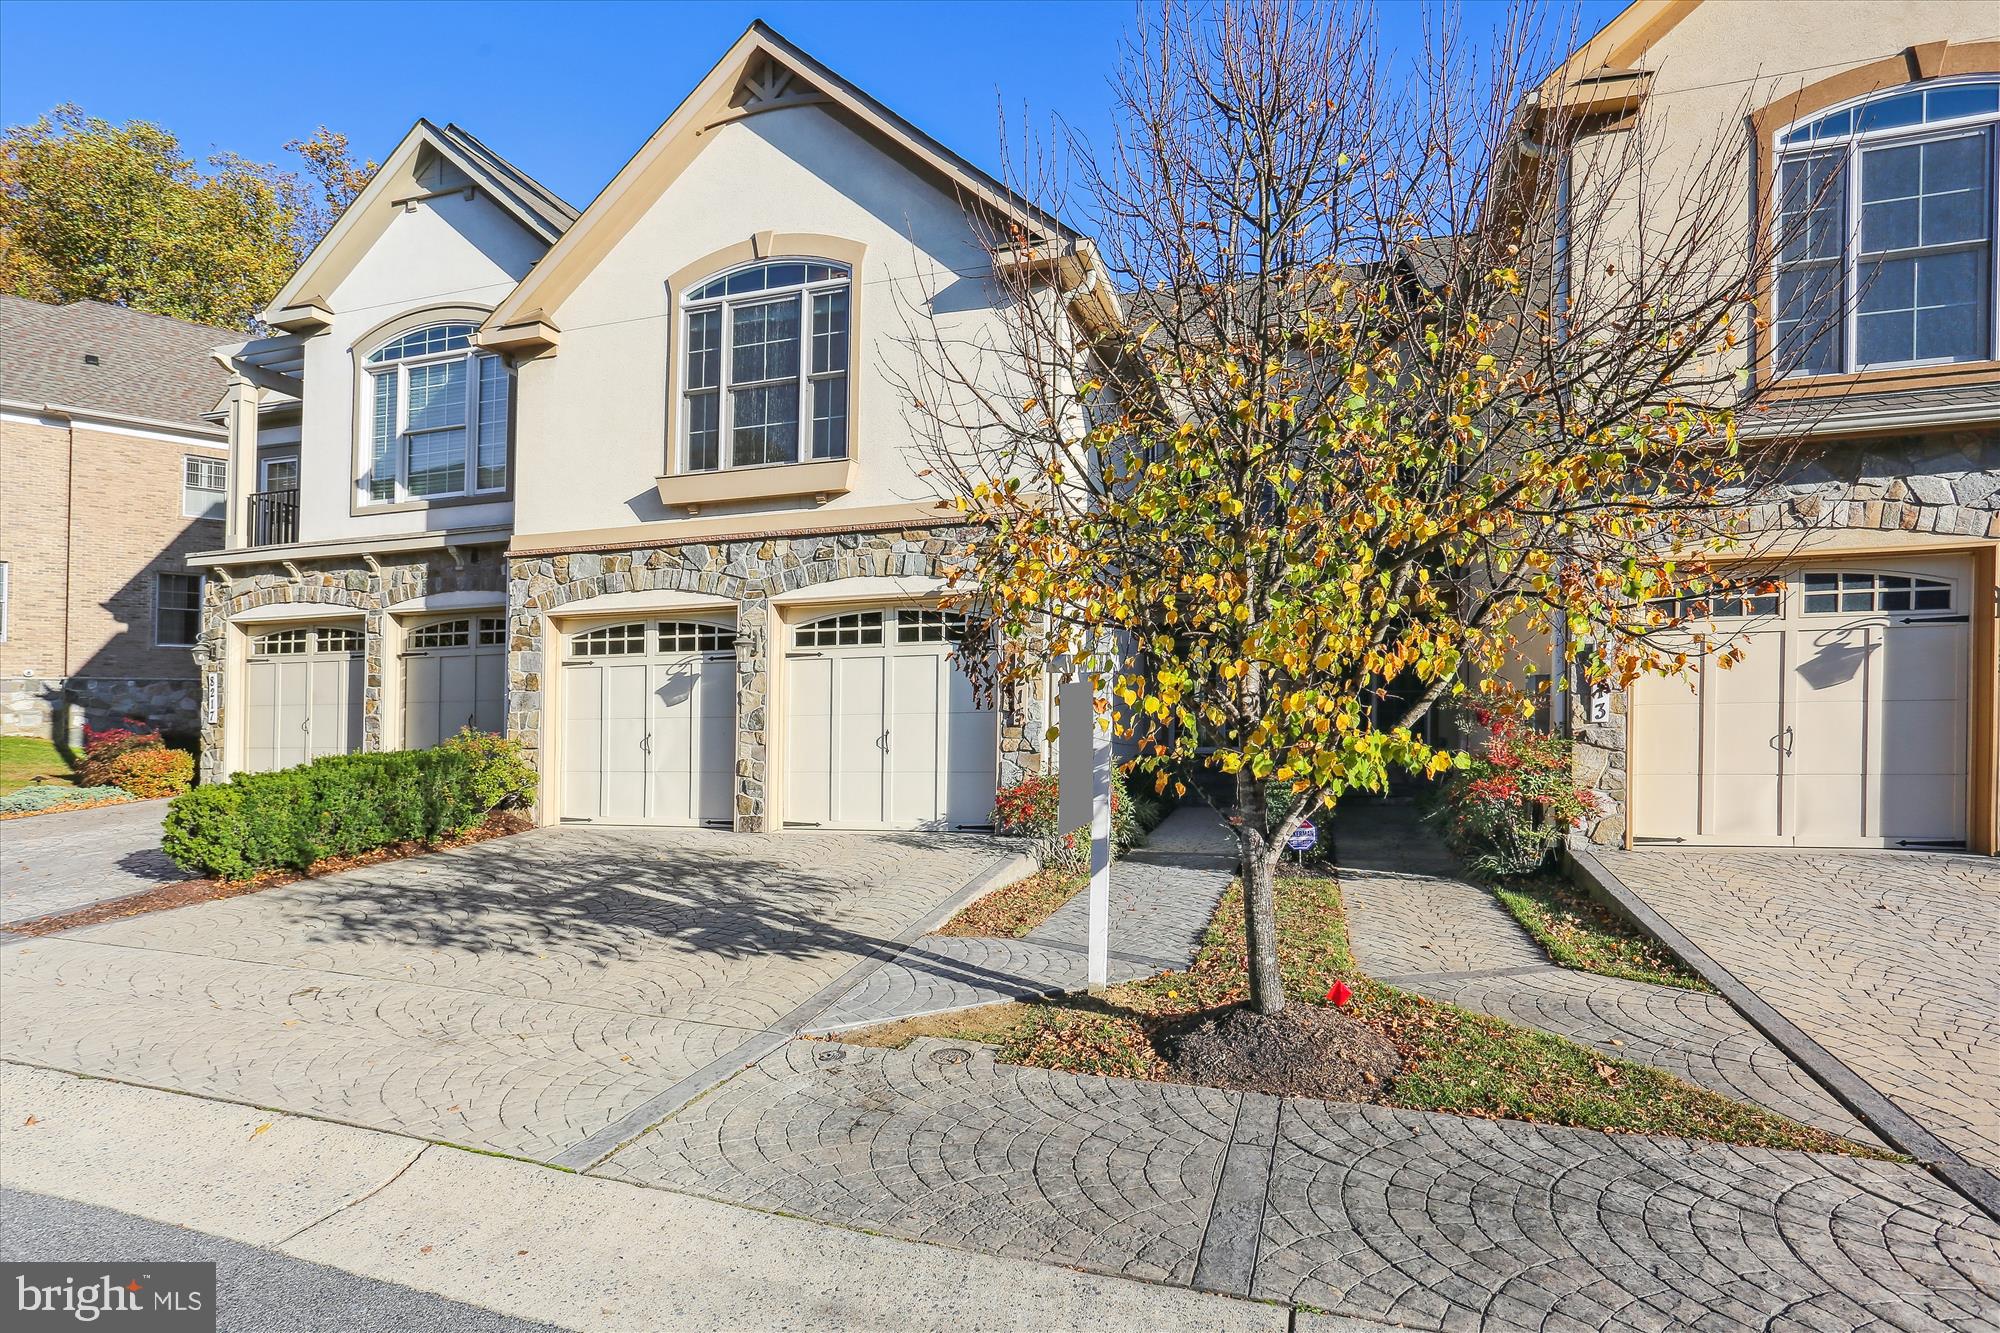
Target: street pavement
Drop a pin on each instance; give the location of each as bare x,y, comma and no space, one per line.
261,1291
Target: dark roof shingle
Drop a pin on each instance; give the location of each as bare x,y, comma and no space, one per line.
147,365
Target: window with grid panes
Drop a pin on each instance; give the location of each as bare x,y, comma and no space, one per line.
765,366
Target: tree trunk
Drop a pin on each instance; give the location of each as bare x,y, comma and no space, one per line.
1258,868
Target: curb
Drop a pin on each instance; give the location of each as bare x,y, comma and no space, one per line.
1896,1127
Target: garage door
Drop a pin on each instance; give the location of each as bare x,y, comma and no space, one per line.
454,676
304,696
882,729
1846,723
649,723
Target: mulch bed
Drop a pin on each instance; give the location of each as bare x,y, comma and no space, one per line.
1304,1050
190,891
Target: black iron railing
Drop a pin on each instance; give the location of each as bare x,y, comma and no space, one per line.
274,517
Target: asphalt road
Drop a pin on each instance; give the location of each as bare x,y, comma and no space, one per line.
258,1291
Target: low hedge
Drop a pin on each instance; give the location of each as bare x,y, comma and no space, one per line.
342,805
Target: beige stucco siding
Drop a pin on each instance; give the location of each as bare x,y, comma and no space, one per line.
595,416
449,251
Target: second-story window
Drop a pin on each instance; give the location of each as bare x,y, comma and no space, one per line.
765,366
1885,232
437,416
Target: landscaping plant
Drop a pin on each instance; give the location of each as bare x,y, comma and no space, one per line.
1028,809
152,771
1516,800
340,805
100,748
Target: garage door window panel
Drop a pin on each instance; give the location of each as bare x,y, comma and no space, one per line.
1834,592
610,641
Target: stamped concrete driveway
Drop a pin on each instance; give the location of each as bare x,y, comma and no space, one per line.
71,858
1890,960
545,995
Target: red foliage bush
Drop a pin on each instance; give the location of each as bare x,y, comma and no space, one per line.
100,748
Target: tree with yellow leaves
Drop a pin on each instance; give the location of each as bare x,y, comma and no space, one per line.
1355,431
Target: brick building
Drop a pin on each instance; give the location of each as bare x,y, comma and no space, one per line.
111,472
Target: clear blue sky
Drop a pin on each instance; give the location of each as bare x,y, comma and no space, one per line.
248,77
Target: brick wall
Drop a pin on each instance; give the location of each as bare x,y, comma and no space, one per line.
85,525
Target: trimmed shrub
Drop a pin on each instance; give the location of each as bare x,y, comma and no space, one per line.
340,805
501,776
1516,801
52,796
1029,809
152,772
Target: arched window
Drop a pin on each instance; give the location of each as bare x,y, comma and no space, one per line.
437,415
1885,230
765,357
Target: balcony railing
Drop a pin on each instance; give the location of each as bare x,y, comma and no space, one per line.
274,517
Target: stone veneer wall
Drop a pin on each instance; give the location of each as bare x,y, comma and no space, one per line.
58,709
347,585
749,573
1943,483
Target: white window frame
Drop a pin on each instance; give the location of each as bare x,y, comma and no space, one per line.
1850,146
400,368
724,387
200,595
214,509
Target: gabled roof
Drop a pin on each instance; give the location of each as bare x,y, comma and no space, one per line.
301,304
148,367
761,71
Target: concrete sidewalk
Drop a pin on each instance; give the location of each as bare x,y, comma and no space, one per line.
526,1241
1162,898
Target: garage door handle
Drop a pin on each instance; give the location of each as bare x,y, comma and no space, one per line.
1786,737
882,742
646,742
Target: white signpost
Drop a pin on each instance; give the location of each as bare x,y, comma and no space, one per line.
1084,748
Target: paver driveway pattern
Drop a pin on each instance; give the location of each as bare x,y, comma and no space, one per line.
69,859
1890,960
1429,1221
518,995
1418,923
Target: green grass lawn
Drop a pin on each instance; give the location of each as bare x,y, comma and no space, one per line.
1577,931
1455,1060
26,761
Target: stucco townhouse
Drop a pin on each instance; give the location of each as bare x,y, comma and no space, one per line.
1863,711
112,469
633,485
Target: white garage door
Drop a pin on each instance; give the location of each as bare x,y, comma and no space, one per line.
882,729
304,696
649,723
454,676
1846,723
